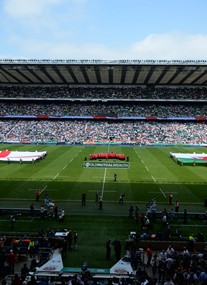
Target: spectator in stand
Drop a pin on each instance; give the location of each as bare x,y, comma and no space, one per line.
16,280
154,263
163,255
170,251
82,131
149,255
139,132
24,271
161,271
12,258
42,282
186,252
178,276
169,281
125,92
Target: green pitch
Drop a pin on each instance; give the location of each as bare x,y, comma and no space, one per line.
151,173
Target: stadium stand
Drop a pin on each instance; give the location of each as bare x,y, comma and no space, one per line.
153,103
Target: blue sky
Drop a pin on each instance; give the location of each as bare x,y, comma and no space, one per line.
103,29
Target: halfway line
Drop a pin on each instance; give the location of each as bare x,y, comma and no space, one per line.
103,183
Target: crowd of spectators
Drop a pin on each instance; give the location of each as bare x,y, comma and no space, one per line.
165,267
33,250
89,131
103,92
24,248
83,131
119,109
172,267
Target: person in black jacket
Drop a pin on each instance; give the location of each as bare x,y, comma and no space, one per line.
117,249
108,249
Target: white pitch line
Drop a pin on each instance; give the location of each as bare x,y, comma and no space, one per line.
43,189
104,179
19,221
56,176
189,225
53,190
96,177
75,156
149,171
162,192
153,178
47,176
98,191
34,189
150,179
65,167
155,192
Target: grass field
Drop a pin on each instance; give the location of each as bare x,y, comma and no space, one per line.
152,173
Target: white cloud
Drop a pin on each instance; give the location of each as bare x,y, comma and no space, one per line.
171,46
28,8
159,46
66,50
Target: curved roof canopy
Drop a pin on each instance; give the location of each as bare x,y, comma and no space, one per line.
104,72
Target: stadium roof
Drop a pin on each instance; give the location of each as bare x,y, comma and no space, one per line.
104,72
